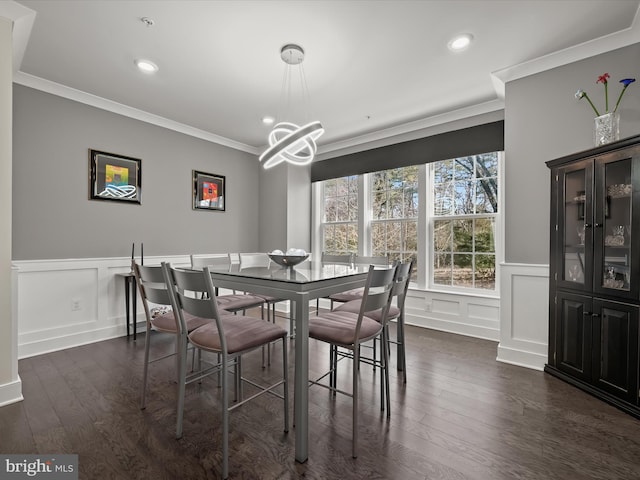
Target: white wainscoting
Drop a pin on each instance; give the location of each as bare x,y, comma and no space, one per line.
524,315
471,315
71,302
48,289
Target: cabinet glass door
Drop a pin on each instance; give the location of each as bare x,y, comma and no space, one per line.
612,226
574,227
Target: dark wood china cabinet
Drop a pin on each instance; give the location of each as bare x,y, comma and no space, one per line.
594,294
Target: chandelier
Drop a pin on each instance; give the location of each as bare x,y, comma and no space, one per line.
289,142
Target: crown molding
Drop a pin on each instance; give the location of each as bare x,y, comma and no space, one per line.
60,90
597,46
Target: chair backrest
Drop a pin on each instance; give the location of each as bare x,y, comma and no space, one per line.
401,282
377,293
152,287
346,259
200,262
248,260
184,287
363,260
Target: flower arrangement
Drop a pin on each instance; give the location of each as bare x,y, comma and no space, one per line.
604,80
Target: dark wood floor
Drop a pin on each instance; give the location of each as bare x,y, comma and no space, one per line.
461,415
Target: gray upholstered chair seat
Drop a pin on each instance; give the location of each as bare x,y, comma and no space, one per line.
239,302
354,307
167,322
340,328
348,296
241,333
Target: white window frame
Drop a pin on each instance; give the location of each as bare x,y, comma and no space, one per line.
498,237
424,230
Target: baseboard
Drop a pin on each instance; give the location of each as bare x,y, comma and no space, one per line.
11,392
521,358
61,342
468,330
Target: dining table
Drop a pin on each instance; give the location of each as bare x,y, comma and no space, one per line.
300,284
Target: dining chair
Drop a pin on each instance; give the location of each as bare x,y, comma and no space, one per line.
348,330
229,336
396,312
233,302
159,318
356,293
262,260
333,259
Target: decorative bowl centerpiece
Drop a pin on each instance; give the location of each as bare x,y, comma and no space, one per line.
290,258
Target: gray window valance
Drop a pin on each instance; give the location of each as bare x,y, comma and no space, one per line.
488,137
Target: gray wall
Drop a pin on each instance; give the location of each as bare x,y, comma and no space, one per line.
273,209
299,207
53,218
285,208
543,121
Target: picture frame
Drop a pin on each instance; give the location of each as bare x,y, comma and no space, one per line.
114,177
208,191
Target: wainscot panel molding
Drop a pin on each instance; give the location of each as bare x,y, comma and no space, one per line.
470,315
71,302
524,315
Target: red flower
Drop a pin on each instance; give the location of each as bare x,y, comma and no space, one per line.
603,78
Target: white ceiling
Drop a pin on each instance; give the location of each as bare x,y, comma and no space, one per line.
372,67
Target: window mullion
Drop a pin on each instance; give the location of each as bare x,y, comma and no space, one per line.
425,212
364,215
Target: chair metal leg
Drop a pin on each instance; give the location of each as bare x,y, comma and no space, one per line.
383,365
375,354
147,340
292,321
401,353
354,440
264,365
238,379
384,340
225,419
331,364
285,374
182,374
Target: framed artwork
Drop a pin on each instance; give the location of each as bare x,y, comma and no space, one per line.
114,177
208,191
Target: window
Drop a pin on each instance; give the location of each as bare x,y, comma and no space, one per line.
465,206
340,215
394,216
445,215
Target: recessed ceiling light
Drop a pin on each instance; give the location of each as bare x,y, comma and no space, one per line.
268,120
146,66
460,42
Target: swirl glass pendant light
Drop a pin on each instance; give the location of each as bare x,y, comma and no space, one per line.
289,142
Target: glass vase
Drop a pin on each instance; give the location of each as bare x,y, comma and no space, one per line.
606,128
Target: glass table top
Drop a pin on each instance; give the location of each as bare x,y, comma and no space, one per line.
303,273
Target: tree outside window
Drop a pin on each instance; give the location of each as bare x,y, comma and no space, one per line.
465,204
394,200
340,216
462,215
